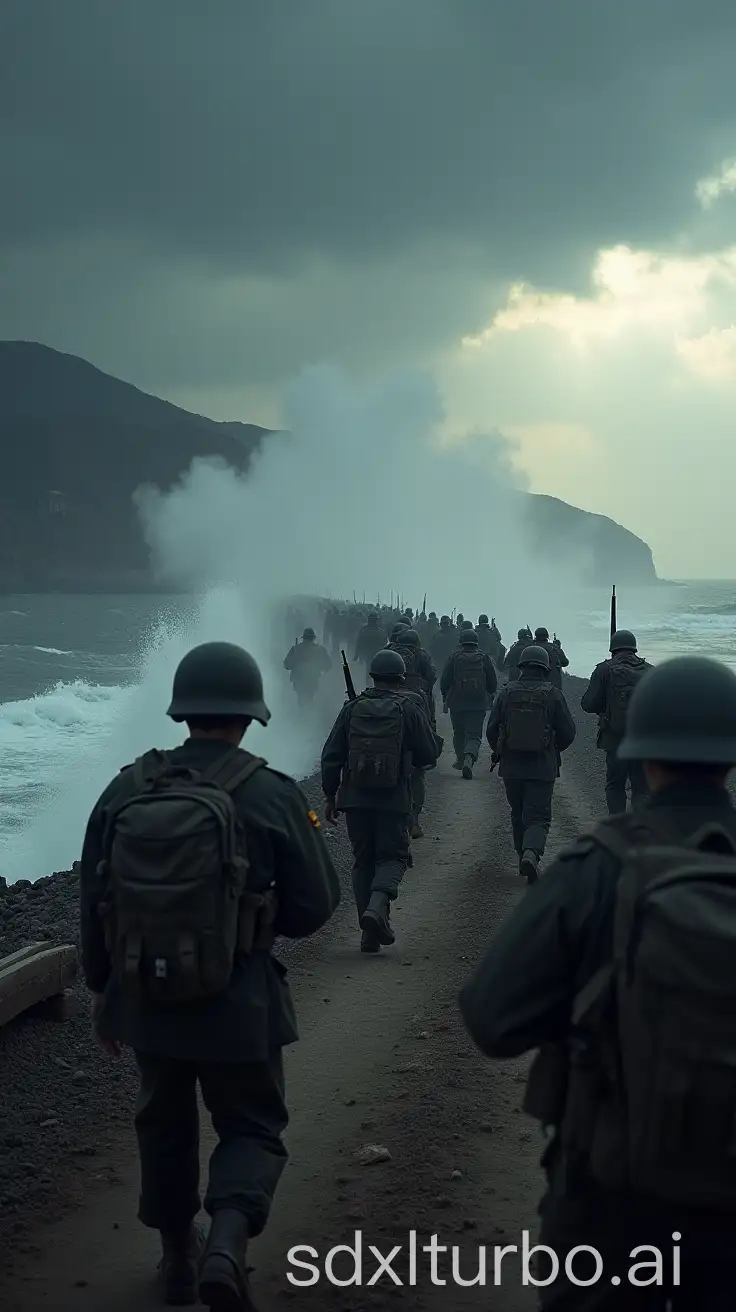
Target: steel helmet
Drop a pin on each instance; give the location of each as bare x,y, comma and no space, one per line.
409,638
218,678
387,664
541,635
309,635
482,619
468,638
684,711
623,640
534,656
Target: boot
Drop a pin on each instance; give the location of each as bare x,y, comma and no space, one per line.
468,766
416,829
529,866
223,1275
369,942
457,764
178,1266
375,919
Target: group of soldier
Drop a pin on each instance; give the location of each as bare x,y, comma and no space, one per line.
616,967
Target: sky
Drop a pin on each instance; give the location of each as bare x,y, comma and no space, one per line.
531,200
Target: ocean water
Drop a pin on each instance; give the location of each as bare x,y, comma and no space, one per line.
84,683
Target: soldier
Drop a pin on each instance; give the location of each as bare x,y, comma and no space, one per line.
608,695
433,628
468,681
487,640
366,772
421,674
528,729
370,640
459,620
511,661
635,1074
193,1003
307,662
557,659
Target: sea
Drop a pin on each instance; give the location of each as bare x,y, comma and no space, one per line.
84,682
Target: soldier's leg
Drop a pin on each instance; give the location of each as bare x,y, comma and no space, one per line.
361,832
458,737
537,814
639,790
515,794
474,722
392,852
418,796
616,775
167,1126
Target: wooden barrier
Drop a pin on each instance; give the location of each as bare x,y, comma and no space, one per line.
39,973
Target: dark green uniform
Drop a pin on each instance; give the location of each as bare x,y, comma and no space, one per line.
595,701
557,661
467,711
378,825
231,1044
511,660
370,640
520,998
529,778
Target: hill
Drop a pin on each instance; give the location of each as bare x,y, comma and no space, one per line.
76,443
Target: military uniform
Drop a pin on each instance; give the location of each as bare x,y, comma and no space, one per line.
557,661
467,707
232,1042
529,777
370,640
306,662
377,823
596,701
511,660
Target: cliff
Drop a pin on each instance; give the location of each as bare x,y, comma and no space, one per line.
76,443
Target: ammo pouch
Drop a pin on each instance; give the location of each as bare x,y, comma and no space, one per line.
256,922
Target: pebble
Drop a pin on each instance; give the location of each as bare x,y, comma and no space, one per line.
371,1154
456,1175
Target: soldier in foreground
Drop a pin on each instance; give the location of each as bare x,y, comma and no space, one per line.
511,660
635,1074
181,970
608,694
528,729
557,659
367,765
306,662
468,681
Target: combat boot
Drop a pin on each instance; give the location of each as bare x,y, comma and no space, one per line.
529,866
468,766
416,829
369,942
223,1275
457,764
375,919
178,1266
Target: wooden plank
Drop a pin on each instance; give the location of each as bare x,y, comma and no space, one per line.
33,975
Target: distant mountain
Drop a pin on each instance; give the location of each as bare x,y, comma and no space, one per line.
75,443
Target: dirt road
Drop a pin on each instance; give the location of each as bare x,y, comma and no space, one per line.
383,1060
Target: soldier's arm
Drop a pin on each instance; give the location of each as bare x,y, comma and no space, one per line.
289,659
335,754
429,672
307,886
562,658
96,964
564,725
491,680
593,700
493,727
420,737
521,995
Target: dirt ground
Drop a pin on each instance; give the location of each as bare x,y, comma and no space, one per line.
383,1059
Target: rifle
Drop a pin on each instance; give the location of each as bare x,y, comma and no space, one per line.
424,605
614,625
349,685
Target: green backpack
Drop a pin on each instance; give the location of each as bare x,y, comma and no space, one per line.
176,908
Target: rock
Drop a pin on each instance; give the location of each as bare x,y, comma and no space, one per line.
443,1201
48,1124
456,1175
371,1154
469,1224
423,1034
350,1102
79,1077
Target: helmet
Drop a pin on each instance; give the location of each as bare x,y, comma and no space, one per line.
401,627
534,656
309,635
541,635
387,664
445,622
460,618
218,678
683,711
482,619
522,634
372,614
468,638
433,614
623,640
409,638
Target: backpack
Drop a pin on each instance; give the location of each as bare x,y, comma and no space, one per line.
652,1095
376,743
526,725
176,908
469,674
620,684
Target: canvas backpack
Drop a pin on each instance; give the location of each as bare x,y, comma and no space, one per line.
651,1103
621,681
376,743
527,725
469,674
177,908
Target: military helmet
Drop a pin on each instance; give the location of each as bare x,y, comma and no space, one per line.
445,622
409,638
372,614
482,619
683,711
468,638
460,618
398,629
623,640
523,634
433,614
541,635
387,664
466,624
309,635
218,679
534,656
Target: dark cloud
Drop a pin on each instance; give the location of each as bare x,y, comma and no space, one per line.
248,157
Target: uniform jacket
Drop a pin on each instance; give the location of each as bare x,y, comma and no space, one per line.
460,701
511,661
595,697
420,747
557,662
255,1014
370,640
532,765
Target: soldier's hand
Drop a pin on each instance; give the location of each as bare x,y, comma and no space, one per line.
332,814
111,1046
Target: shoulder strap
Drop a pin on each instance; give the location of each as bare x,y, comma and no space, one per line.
234,769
